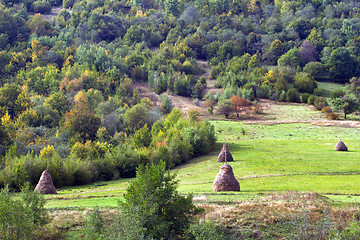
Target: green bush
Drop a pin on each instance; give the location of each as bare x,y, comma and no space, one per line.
19,217
292,95
305,97
94,227
311,99
154,203
320,103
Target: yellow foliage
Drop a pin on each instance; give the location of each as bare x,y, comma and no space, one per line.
47,152
160,134
6,119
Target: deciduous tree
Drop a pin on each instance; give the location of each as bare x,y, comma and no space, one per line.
239,104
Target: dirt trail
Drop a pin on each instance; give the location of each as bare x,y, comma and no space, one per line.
209,82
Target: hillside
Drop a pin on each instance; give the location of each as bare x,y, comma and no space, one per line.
91,90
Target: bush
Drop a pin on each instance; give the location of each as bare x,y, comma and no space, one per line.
14,221
224,107
94,226
305,97
311,99
292,95
153,202
326,110
19,217
304,83
333,116
320,103
41,6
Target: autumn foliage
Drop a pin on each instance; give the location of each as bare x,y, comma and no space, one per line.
239,104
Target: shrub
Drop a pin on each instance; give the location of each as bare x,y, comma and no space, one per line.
14,221
333,116
304,83
155,205
305,97
311,99
320,103
41,6
292,95
34,204
326,109
224,107
94,226
19,217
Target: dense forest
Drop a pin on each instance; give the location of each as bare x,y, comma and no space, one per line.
67,95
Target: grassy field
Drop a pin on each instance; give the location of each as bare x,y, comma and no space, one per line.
269,158
328,87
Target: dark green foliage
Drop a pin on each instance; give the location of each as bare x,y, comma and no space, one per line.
304,83
166,104
153,200
316,70
14,222
34,203
305,97
224,107
292,95
341,64
41,6
19,218
136,117
291,58
347,104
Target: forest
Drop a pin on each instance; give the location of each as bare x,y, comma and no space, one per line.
67,95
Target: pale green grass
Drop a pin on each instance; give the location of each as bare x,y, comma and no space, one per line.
328,87
292,112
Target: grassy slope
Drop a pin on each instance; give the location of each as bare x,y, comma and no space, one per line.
268,158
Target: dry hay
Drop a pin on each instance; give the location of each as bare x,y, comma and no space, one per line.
340,146
225,180
225,155
45,184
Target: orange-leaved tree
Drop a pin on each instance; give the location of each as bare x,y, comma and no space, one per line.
239,104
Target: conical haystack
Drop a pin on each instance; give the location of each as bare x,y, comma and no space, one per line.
225,152
225,180
45,184
340,146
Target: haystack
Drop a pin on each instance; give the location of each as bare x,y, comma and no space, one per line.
225,155
340,146
45,184
225,180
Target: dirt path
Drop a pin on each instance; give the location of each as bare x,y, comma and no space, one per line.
209,82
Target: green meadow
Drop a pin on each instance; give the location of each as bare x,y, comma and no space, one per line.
269,158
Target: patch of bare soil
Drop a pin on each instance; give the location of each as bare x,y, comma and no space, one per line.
209,82
182,103
54,12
